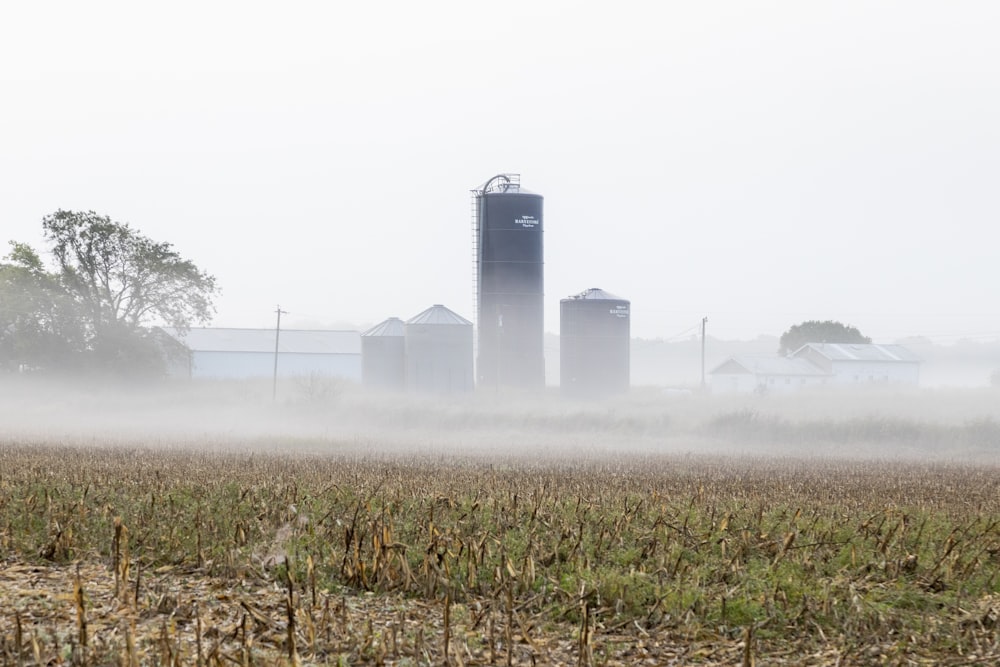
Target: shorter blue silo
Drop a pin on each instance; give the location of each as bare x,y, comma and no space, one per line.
594,344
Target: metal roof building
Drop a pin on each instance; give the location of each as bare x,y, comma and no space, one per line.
818,363
250,353
857,363
858,352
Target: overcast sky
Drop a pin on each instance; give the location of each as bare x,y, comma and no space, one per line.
758,163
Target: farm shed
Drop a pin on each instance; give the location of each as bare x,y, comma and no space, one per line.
860,364
838,364
249,353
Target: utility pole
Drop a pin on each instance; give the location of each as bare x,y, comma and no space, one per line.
277,334
704,321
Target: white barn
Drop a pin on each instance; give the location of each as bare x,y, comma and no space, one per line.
851,364
837,364
249,353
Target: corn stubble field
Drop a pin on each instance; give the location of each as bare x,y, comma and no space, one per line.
220,550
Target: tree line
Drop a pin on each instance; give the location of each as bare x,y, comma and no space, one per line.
816,331
92,307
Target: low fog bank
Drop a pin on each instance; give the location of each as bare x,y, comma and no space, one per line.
325,416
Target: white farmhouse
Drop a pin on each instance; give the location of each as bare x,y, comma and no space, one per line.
250,353
836,364
745,374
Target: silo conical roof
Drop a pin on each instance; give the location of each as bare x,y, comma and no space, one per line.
597,294
392,326
438,314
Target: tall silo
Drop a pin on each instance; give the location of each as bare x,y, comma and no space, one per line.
438,352
594,340
507,238
383,355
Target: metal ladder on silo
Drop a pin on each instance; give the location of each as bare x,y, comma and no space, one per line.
475,277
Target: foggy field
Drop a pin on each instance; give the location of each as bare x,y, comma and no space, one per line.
206,523
320,415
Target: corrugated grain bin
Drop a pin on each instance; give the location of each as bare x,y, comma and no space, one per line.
594,344
383,356
510,284
438,352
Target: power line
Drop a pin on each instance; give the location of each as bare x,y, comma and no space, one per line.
682,333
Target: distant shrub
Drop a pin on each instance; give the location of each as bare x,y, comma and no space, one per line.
746,422
983,432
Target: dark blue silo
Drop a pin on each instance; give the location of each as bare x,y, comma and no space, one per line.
594,344
510,284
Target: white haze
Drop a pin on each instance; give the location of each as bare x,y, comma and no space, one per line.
757,163
328,417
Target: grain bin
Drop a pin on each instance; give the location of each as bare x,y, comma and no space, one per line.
438,346
383,356
508,256
594,344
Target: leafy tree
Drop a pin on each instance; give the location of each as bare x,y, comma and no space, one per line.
814,331
111,282
39,324
123,278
